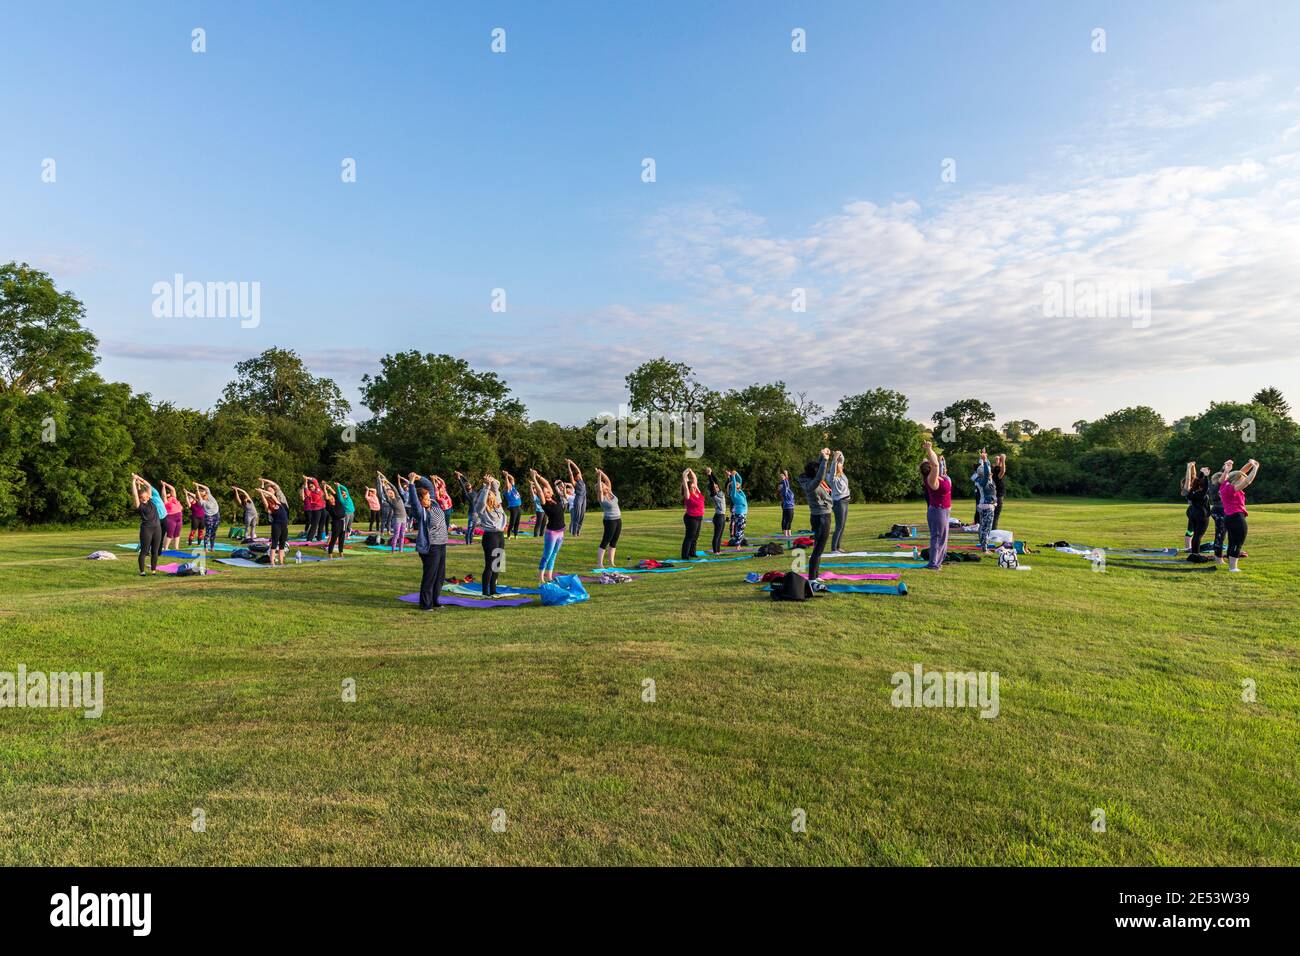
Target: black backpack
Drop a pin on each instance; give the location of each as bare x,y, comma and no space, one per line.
792,587
770,550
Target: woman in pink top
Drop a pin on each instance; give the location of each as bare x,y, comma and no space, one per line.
938,497
1232,492
694,502
175,518
372,503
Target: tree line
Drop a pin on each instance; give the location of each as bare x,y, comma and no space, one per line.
70,440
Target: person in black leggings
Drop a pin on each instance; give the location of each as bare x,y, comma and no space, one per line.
278,512
611,520
719,510
1196,489
514,505
813,483
694,517
150,523
999,485
491,518
338,515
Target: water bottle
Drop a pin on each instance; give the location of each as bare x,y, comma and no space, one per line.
297,556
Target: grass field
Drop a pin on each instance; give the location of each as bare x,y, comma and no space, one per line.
1120,691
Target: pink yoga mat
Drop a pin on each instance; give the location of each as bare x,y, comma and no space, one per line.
173,568
831,575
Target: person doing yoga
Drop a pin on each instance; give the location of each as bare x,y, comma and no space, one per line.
839,500
818,493
490,517
1232,491
938,499
986,497
1196,490
514,503
719,500
694,516
553,538
149,506
611,519
577,510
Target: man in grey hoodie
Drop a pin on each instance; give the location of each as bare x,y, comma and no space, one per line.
813,481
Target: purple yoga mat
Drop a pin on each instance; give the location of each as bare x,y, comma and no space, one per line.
459,601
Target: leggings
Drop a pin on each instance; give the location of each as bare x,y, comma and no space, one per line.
1220,532
840,507
469,526
210,525
399,536
613,527
1197,522
279,536
433,568
787,519
1236,525
250,530
539,524
552,541
576,514
738,520
385,520
821,529
494,559
718,522
937,519
997,513
692,535
985,515
150,544
338,528
512,528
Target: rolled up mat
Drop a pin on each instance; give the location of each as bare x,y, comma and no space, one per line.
476,603
899,588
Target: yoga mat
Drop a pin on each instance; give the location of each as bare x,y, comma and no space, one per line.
475,603
899,588
244,563
476,587
640,570
831,575
873,564
870,554
1173,566
173,568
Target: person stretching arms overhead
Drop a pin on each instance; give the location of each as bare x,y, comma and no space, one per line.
938,499
175,517
467,492
278,514
430,542
1232,490
986,497
553,539
693,500
514,504
1196,490
577,510
818,493
739,506
211,516
839,500
149,506
490,516
612,519
242,497
787,504
719,499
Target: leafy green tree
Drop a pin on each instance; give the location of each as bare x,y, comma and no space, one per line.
43,344
1140,428
881,445
1272,399
965,425
663,386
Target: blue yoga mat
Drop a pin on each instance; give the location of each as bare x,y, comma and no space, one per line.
477,604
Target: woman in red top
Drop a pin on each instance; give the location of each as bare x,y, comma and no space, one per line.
694,502
313,502
938,498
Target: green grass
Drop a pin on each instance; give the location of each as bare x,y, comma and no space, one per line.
1120,691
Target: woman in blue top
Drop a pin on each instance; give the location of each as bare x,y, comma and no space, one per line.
739,508
514,504
986,497
787,504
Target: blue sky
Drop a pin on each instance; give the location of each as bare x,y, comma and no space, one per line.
1171,162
